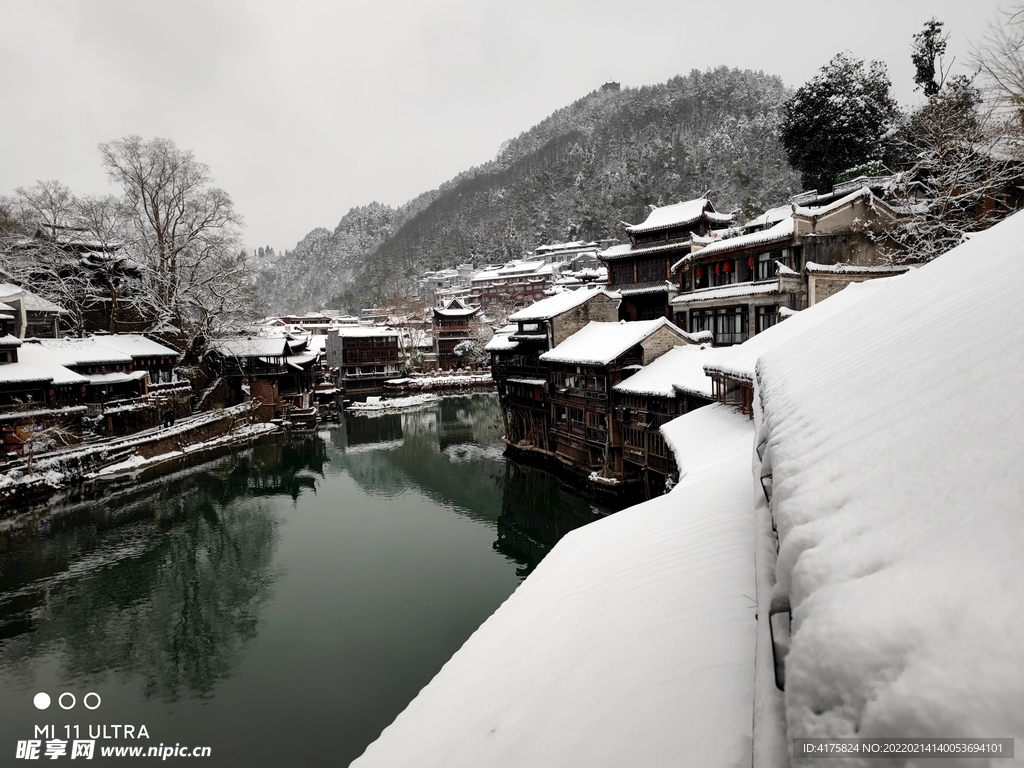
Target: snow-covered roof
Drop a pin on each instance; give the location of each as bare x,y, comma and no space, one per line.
854,269
738,362
34,303
770,217
680,368
678,215
259,346
137,345
48,363
364,331
894,437
631,644
6,307
87,351
819,211
624,250
599,343
17,373
734,291
500,343
515,269
782,231
554,305
637,289
114,377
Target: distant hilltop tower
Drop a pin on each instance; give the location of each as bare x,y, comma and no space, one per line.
611,85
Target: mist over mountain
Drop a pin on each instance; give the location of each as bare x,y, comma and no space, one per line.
578,174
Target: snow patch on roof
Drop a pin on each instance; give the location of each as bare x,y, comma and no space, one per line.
781,231
738,362
137,345
250,347
87,351
681,367
554,305
853,269
676,215
599,343
365,331
728,292
49,364
895,436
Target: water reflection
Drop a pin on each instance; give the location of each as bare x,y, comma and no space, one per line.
353,560
538,509
530,507
164,583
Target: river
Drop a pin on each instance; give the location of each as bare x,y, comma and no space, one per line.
280,605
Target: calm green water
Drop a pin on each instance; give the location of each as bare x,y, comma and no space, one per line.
280,606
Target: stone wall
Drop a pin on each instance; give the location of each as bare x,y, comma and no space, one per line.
601,307
660,342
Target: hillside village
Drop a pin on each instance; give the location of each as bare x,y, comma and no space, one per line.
799,386
571,337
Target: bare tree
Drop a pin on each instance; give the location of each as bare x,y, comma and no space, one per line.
999,59
963,175
121,291
39,260
183,229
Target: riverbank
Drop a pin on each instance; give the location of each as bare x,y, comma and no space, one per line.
35,480
439,382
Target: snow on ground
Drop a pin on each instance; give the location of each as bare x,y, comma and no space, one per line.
631,644
894,439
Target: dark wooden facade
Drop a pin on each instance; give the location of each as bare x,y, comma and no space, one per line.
364,359
642,270
453,325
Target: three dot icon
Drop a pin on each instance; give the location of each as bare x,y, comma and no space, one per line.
67,700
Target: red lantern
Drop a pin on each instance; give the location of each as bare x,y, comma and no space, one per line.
700,273
750,262
718,269
728,267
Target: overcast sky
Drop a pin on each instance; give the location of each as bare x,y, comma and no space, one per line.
303,110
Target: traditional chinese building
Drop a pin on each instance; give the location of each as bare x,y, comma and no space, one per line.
583,370
670,386
364,358
641,270
32,315
519,372
453,325
279,372
789,258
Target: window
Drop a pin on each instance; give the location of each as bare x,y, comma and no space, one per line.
652,270
766,318
730,325
722,272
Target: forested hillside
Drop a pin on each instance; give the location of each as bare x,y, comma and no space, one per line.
576,175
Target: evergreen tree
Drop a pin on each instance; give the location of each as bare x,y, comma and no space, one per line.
926,54
838,119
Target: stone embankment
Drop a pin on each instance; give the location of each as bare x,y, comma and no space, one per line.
29,480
